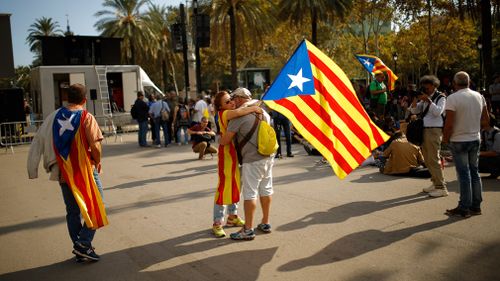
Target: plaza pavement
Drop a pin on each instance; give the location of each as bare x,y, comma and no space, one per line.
159,201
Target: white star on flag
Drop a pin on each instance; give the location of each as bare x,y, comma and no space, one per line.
367,62
65,125
298,80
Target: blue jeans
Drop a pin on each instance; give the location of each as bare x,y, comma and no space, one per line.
186,136
164,126
220,209
466,158
143,130
78,232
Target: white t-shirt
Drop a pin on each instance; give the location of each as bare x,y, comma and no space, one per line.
468,106
200,107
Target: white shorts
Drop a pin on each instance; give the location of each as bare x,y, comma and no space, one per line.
257,178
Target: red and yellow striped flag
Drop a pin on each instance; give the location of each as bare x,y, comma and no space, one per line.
73,157
319,100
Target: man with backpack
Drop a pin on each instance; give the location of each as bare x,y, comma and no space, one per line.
181,121
256,169
140,112
431,107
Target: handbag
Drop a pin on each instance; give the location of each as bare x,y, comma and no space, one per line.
415,129
164,113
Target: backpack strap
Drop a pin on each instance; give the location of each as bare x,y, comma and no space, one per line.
239,145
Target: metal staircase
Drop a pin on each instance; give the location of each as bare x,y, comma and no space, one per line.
106,104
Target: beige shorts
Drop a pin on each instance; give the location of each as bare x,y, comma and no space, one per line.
257,179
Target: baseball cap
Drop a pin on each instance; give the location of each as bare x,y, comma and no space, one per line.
242,93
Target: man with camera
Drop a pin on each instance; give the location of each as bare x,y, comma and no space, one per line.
430,104
201,135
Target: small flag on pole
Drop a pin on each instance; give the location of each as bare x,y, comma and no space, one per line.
319,100
372,64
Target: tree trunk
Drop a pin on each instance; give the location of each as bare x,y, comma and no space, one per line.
314,26
132,53
429,30
164,72
232,25
487,38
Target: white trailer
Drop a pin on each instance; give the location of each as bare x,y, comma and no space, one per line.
111,89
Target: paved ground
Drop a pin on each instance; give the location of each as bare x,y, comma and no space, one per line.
366,227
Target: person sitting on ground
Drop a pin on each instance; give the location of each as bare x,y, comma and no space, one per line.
489,156
403,158
201,135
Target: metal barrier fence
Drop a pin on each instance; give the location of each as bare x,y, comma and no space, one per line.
119,124
18,133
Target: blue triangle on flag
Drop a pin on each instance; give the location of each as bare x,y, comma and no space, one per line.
295,78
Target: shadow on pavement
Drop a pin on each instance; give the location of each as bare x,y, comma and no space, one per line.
197,171
47,222
359,243
376,176
153,261
355,209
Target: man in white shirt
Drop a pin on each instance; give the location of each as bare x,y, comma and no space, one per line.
431,105
466,113
200,108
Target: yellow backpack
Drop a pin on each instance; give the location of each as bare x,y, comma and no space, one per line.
267,143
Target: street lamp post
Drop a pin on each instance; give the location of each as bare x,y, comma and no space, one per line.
395,59
479,44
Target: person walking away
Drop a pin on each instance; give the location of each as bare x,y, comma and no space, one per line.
256,178
228,186
465,115
181,122
140,112
155,113
432,103
70,142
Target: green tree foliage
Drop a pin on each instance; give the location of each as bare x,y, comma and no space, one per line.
316,10
41,27
123,19
245,19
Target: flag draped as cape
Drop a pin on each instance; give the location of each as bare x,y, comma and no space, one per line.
73,157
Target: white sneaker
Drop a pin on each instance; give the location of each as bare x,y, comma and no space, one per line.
429,189
439,192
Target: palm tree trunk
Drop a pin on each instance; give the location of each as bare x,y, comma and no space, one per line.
232,25
132,53
164,72
314,26
487,38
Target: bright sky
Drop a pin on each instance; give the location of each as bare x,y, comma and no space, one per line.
80,14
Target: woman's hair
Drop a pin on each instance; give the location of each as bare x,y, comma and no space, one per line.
430,79
218,100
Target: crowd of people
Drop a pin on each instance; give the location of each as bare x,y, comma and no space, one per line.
458,119
461,121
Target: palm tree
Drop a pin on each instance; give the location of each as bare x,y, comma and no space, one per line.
123,19
249,16
42,27
158,21
318,10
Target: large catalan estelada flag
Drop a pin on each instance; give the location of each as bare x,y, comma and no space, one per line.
372,64
73,156
319,100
